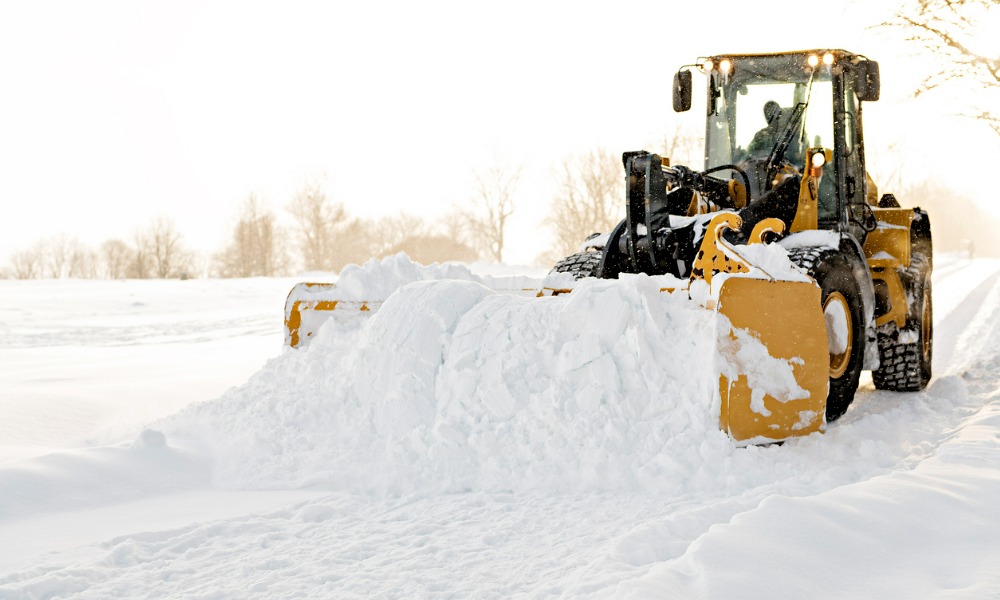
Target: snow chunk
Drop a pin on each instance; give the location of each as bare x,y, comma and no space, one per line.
883,255
770,261
816,237
598,241
806,419
741,353
837,333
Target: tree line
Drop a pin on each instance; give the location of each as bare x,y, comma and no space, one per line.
153,252
319,234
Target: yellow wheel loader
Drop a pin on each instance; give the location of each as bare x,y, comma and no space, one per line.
784,165
784,141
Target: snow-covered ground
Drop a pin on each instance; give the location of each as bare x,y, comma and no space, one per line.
155,441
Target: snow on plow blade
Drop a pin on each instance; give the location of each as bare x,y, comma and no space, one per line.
761,403
309,305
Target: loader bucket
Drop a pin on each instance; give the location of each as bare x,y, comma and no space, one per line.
785,317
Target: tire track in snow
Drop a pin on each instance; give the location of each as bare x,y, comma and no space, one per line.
960,310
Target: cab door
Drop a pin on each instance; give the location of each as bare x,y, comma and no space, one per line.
849,151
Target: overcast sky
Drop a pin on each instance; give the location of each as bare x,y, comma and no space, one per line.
114,113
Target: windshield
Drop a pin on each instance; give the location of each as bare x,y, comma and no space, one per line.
768,108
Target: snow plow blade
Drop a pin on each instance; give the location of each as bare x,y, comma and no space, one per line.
766,341
309,305
765,397
785,317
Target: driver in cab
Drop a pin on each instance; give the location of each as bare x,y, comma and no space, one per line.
765,139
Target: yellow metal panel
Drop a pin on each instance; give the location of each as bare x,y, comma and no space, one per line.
886,271
786,317
807,213
715,255
871,197
892,236
765,230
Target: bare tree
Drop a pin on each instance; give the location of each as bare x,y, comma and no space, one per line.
65,256
28,264
681,146
140,265
162,243
317,224
115,257
947,29
423,242
82,261
358,240
485,223
57,254
589,200
257,245
427,248
388,234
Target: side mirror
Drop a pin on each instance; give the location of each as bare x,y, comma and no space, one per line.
868,85
682,91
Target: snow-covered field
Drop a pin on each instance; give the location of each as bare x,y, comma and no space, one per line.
156,442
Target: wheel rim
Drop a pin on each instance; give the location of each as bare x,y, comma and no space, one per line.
835,309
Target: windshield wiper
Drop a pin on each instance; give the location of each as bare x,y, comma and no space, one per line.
790,130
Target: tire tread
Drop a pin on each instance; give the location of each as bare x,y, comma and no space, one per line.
580,264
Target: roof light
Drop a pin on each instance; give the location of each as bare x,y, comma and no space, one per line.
813,60
819,159
725,66
708,65
828,58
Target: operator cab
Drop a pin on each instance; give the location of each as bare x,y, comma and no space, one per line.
768,114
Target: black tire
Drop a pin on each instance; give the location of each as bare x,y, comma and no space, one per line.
835,273
905,354
579,265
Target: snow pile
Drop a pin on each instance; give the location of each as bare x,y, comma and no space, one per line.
453,386
378,279
770,261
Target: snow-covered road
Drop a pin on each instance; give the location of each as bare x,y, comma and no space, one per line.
407,460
